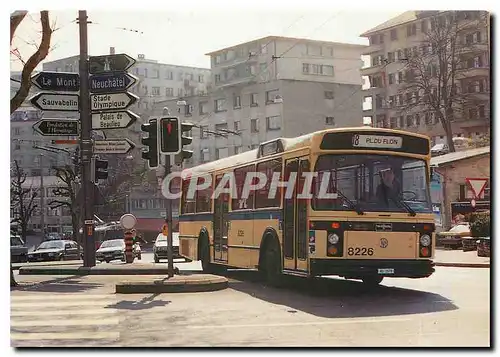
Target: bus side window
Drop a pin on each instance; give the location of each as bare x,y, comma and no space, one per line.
240,202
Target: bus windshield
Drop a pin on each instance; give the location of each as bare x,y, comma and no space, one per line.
371,183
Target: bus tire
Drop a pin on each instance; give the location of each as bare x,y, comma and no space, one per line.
271,268
372,280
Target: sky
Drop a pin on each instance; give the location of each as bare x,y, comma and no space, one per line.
183,37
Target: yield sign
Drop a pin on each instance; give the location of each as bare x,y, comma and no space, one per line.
477,185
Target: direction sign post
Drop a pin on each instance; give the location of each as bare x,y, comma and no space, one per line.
112,101
57,102
111,82
56,127
113,120
109,63
113,146
57,81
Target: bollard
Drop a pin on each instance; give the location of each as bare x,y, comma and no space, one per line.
129,253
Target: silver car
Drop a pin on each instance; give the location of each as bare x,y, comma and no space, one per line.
160,247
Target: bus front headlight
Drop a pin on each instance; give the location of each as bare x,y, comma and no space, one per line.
333,238
425,240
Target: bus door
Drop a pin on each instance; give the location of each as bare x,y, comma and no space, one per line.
295,235
221,207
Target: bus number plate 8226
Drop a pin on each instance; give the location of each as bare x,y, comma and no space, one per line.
359,251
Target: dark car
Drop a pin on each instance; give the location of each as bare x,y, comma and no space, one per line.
55,250
18,250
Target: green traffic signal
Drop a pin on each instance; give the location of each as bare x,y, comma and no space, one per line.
151,142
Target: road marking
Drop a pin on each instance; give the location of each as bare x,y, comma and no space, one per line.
59,304
283,324
65,336
21,313
53,297
65,322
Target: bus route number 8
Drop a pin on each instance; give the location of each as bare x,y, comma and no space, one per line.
355,140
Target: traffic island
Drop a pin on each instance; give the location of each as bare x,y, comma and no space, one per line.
175,284
17,266
115,269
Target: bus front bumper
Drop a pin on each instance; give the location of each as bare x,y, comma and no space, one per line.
356,268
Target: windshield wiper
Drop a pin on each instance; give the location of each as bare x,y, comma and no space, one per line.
354,206
406,206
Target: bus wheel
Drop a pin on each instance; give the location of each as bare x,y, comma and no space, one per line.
372,280
272,263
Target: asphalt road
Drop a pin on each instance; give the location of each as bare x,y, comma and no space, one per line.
451,308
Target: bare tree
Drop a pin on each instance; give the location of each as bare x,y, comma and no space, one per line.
67,196
433,72
22,199
29,66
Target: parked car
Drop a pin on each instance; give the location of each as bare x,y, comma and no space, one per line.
18,249
453,238
160,247
114,249
56,250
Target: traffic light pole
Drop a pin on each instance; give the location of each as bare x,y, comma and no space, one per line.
168,220
86,145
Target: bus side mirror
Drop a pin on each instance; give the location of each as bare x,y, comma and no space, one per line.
433,173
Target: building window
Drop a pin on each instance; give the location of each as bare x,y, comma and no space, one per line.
145,72
221,127
220,104
254,100
169,92
271,95
417,119
156,73
200,78
155,91
221,153
391,78
409,121
393,122
401,121
179,92
237,126
238,150
330,121
203,107
204,155
189,109
203,132
169,75
236,101
481,110
327,70
254,125
329,94
263,49
305,68
17,131
390,57
217,78
394,35
411,30
273,123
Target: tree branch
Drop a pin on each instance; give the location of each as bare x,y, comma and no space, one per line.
32,62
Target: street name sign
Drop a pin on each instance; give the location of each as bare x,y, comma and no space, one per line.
113,146
57,102
110,63
57,81
111,82
113,120
112,101
56,127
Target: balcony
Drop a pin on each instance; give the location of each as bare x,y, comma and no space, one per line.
237,61
368,71
483,71
235,80
373,49
473,48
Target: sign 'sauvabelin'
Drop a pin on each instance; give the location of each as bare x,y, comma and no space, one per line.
113,120
55,102
113,146
111,82
112,101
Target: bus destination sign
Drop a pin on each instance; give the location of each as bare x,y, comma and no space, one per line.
377,141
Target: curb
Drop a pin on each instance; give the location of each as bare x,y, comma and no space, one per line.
463,265
17,266
181,285
96,271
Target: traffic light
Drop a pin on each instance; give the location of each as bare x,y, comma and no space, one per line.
185,140
151,142
98,169
170,136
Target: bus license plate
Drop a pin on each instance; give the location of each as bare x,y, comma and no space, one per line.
386,271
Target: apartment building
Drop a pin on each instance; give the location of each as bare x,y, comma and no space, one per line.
269,88
393,42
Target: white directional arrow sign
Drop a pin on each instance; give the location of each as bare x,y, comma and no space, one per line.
55,102
113,120
112,101
113,146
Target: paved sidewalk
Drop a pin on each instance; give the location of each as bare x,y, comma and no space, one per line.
459,258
